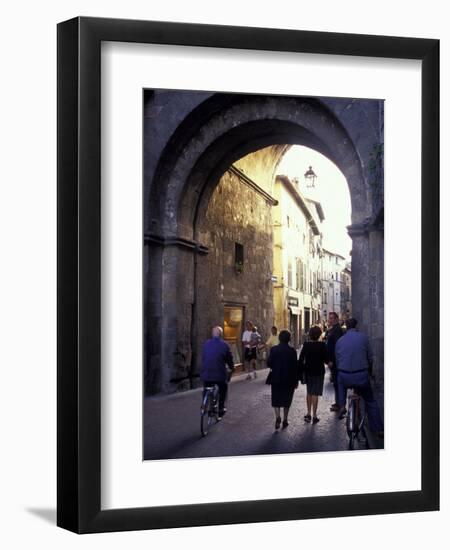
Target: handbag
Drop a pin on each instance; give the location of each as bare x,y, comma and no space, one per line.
269,378
302,373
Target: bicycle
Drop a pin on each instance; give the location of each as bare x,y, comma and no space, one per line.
355,419
209,410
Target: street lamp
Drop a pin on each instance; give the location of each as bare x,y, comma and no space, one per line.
310,178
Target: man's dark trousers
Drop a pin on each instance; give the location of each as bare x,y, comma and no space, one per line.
361,382
334,377
223,390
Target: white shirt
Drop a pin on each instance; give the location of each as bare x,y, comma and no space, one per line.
246,337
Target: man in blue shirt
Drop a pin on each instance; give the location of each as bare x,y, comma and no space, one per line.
216,358
354,360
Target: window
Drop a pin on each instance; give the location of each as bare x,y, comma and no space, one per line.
298,274
289,274
239,256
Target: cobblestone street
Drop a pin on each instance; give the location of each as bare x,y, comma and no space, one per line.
172,424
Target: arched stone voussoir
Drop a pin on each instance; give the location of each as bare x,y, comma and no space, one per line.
240,128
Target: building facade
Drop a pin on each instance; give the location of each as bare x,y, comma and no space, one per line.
346,291
333,265
297,259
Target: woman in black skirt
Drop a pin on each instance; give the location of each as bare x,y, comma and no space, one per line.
312,371
283,376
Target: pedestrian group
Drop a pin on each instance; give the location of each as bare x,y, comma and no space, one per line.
344,349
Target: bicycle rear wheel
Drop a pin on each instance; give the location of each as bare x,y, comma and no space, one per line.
351,441
362,423
350,418
206,417
351,421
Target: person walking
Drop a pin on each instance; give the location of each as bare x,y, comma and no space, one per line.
255,345
313,357
217,366
272,340
283,377
354,362
333,334
249,340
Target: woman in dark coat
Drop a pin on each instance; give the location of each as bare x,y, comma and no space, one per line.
312,361
283,376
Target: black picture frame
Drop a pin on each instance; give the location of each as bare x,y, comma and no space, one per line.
79,281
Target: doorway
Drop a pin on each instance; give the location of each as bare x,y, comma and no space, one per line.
233,317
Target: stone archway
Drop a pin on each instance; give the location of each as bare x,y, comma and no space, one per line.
212,136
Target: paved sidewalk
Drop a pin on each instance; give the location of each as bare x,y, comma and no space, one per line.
172,424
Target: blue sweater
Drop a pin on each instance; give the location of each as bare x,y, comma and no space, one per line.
353,351
216,355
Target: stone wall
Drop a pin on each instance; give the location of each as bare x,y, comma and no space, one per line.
190,138
236,214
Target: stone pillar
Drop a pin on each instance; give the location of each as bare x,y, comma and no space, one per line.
368,288
169,317
361,305
152,317
376,247
169,298
177,299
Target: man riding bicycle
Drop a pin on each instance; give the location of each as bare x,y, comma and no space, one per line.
354,360
217,366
